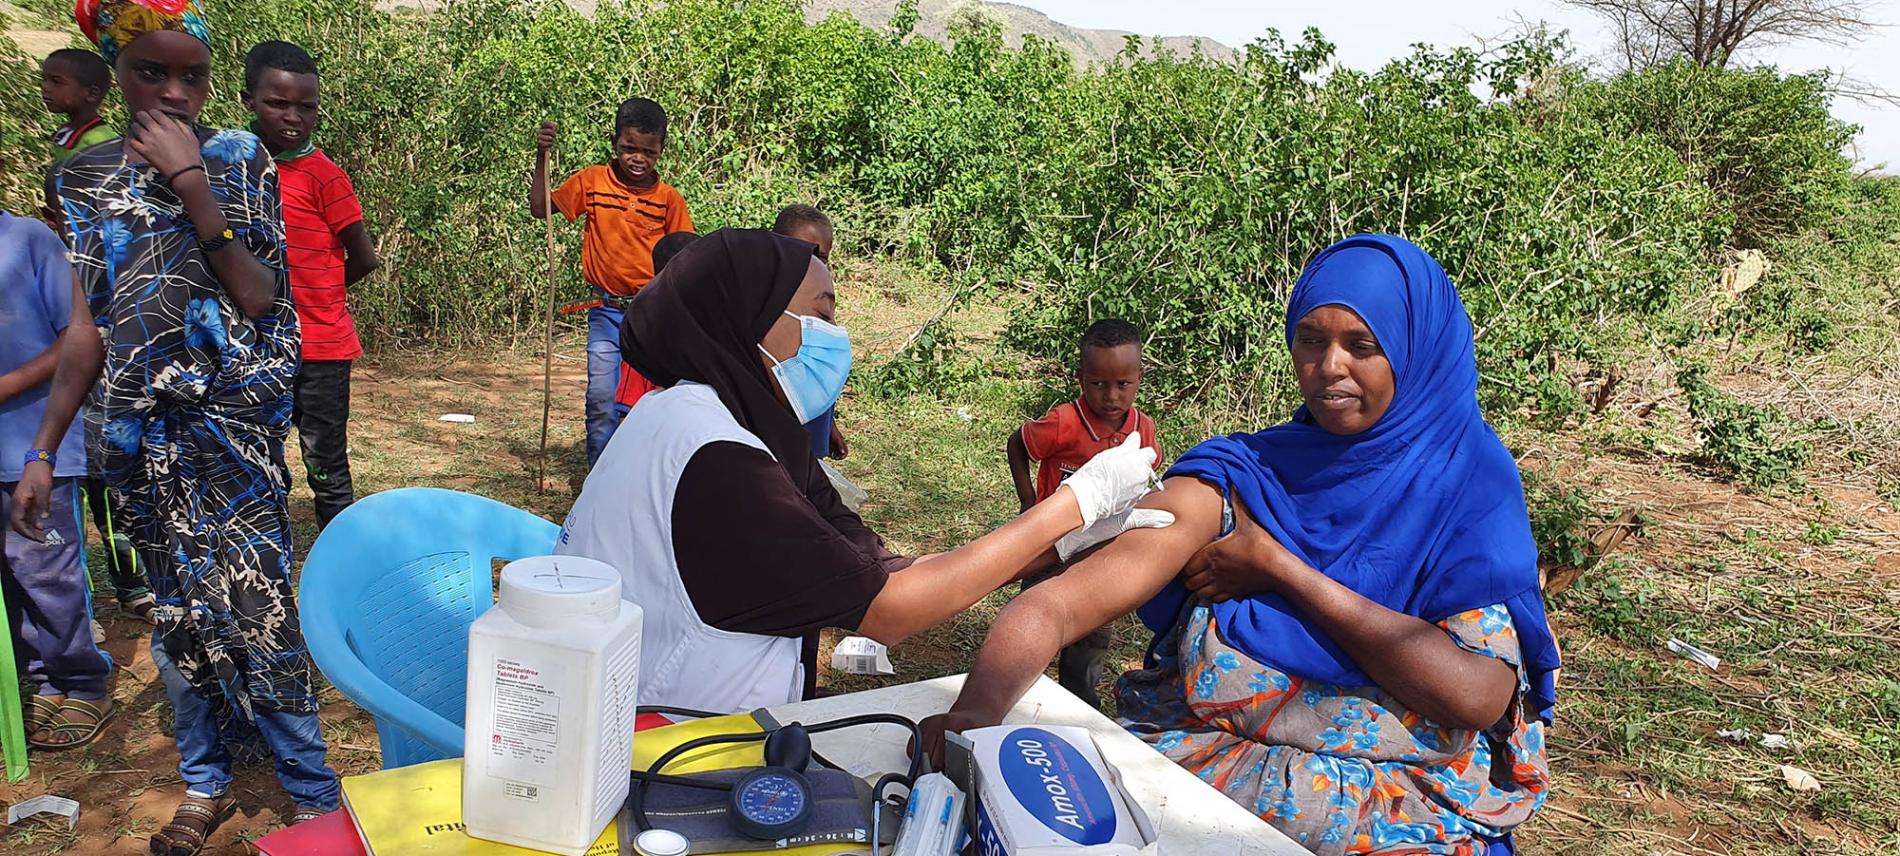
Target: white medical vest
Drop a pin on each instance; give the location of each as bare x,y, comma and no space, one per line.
624,517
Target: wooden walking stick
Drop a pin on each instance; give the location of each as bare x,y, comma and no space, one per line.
547,339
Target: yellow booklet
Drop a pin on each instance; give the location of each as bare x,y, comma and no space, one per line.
417,810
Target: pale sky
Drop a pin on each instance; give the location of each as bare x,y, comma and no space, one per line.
1369,32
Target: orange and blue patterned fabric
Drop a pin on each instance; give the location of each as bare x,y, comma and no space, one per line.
1341,770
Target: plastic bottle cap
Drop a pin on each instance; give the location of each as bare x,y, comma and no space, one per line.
555,591
661,842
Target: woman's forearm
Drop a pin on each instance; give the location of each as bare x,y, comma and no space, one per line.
1408,657
251,285
1026,635
935,588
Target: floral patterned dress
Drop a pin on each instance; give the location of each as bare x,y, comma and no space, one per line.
1339,769
195,402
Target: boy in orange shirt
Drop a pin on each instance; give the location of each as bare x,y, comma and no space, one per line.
1065,439
628,209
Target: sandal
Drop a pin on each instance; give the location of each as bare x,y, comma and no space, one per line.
40,713
67,734
142,607
195,820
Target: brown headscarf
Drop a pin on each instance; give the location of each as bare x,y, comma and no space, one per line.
701,320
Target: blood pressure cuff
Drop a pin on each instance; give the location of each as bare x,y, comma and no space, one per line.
841,813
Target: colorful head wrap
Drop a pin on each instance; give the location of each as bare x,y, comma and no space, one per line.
113,24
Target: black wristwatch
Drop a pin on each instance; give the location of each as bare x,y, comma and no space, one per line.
216,242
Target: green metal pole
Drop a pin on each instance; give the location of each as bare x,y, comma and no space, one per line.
12,722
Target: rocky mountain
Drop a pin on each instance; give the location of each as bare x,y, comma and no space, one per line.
935,17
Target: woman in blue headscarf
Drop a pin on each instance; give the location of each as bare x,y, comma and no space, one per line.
1349,636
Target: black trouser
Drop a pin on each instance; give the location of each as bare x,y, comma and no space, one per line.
1081,666
121,560
322,414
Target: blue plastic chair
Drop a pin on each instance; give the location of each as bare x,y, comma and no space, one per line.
388,593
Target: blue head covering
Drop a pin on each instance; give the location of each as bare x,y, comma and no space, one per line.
1422,513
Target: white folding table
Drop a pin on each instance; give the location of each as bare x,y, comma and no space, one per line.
1190,818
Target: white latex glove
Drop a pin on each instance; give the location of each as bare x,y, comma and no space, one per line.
1111,526
1112,481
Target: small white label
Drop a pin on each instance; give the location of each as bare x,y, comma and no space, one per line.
856,655
521,791
527,722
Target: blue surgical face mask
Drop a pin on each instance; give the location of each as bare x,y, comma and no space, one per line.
814,377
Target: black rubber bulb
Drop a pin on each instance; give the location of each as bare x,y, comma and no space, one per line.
788,747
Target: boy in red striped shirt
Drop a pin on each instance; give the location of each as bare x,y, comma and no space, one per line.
328,251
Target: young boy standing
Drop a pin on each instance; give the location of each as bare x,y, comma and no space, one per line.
808,224
1066,438
181,296
75,82
329,250
49,605
628,209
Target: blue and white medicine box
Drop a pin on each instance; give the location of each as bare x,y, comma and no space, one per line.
1045,791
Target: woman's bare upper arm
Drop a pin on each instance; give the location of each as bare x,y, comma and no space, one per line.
1125,572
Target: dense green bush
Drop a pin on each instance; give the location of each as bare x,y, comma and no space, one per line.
1764,142
1177,191
1194,220
22,143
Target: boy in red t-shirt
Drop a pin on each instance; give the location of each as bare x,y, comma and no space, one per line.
1065,439
328,250
628,209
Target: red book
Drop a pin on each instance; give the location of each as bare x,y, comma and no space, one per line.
330,835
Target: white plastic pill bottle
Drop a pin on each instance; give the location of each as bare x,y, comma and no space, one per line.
552,671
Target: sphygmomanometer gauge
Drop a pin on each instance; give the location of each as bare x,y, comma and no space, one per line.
771,803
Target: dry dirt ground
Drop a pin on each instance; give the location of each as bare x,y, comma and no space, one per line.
1799,591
